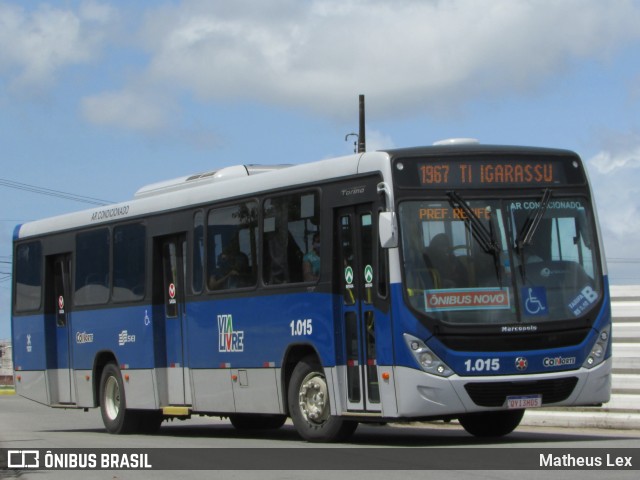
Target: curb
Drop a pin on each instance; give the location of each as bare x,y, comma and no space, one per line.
567,419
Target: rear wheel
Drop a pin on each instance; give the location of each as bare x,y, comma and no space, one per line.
309,407
113,404
491,424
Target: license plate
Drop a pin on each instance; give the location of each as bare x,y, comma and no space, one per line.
525,401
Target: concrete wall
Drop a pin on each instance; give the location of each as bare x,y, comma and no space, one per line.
626,349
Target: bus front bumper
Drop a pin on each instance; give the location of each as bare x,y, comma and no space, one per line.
422,395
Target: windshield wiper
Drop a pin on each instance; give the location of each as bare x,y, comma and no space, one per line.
531,225
525,238
486,237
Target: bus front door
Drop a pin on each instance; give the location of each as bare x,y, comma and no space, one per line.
173,250
58,330
356,270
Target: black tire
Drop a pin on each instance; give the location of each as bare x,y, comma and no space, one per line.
314,421
113,404
257,422
491,424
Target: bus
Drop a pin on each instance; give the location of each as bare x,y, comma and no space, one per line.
456,281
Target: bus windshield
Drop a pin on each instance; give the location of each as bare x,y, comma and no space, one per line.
500,261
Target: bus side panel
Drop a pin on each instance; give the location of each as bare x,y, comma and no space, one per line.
255,332
236,347
84,388
256,390
30,358
127,334
213,390
29,345
140,389
33,385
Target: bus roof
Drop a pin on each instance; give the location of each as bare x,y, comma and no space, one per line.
226,183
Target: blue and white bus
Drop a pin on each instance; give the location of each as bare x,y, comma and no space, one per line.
459,281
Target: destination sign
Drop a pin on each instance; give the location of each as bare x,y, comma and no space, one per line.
486,172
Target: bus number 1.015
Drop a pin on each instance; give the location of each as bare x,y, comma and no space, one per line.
482,365
301,327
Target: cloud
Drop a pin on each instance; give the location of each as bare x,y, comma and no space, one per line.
615,175
621,155
139,111
38,43
377,140
409,55
606,162
149,113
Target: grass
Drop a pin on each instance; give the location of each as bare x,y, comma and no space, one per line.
7,390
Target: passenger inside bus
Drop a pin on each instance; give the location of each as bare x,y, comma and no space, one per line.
233,266
439,257
311,261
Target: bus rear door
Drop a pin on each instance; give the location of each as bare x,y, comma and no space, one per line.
172,284
58,329
356,272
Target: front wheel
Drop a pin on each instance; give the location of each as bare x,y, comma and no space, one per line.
308,399
113,404
491,424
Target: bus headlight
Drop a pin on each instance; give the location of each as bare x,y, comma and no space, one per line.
599,350
425,357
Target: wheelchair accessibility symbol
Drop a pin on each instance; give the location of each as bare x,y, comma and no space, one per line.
535,301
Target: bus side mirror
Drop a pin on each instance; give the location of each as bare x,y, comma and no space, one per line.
387,230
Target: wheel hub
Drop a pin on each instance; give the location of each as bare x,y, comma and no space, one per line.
112,398
314,399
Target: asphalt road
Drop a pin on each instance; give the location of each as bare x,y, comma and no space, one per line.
27,425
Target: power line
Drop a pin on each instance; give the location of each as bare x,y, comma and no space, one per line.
52,193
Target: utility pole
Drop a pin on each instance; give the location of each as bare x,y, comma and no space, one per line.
362,143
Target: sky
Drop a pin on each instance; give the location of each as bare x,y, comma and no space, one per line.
101,98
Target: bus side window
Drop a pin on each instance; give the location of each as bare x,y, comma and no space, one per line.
232,247
28,277
290,225
129,262
198,253
92,274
